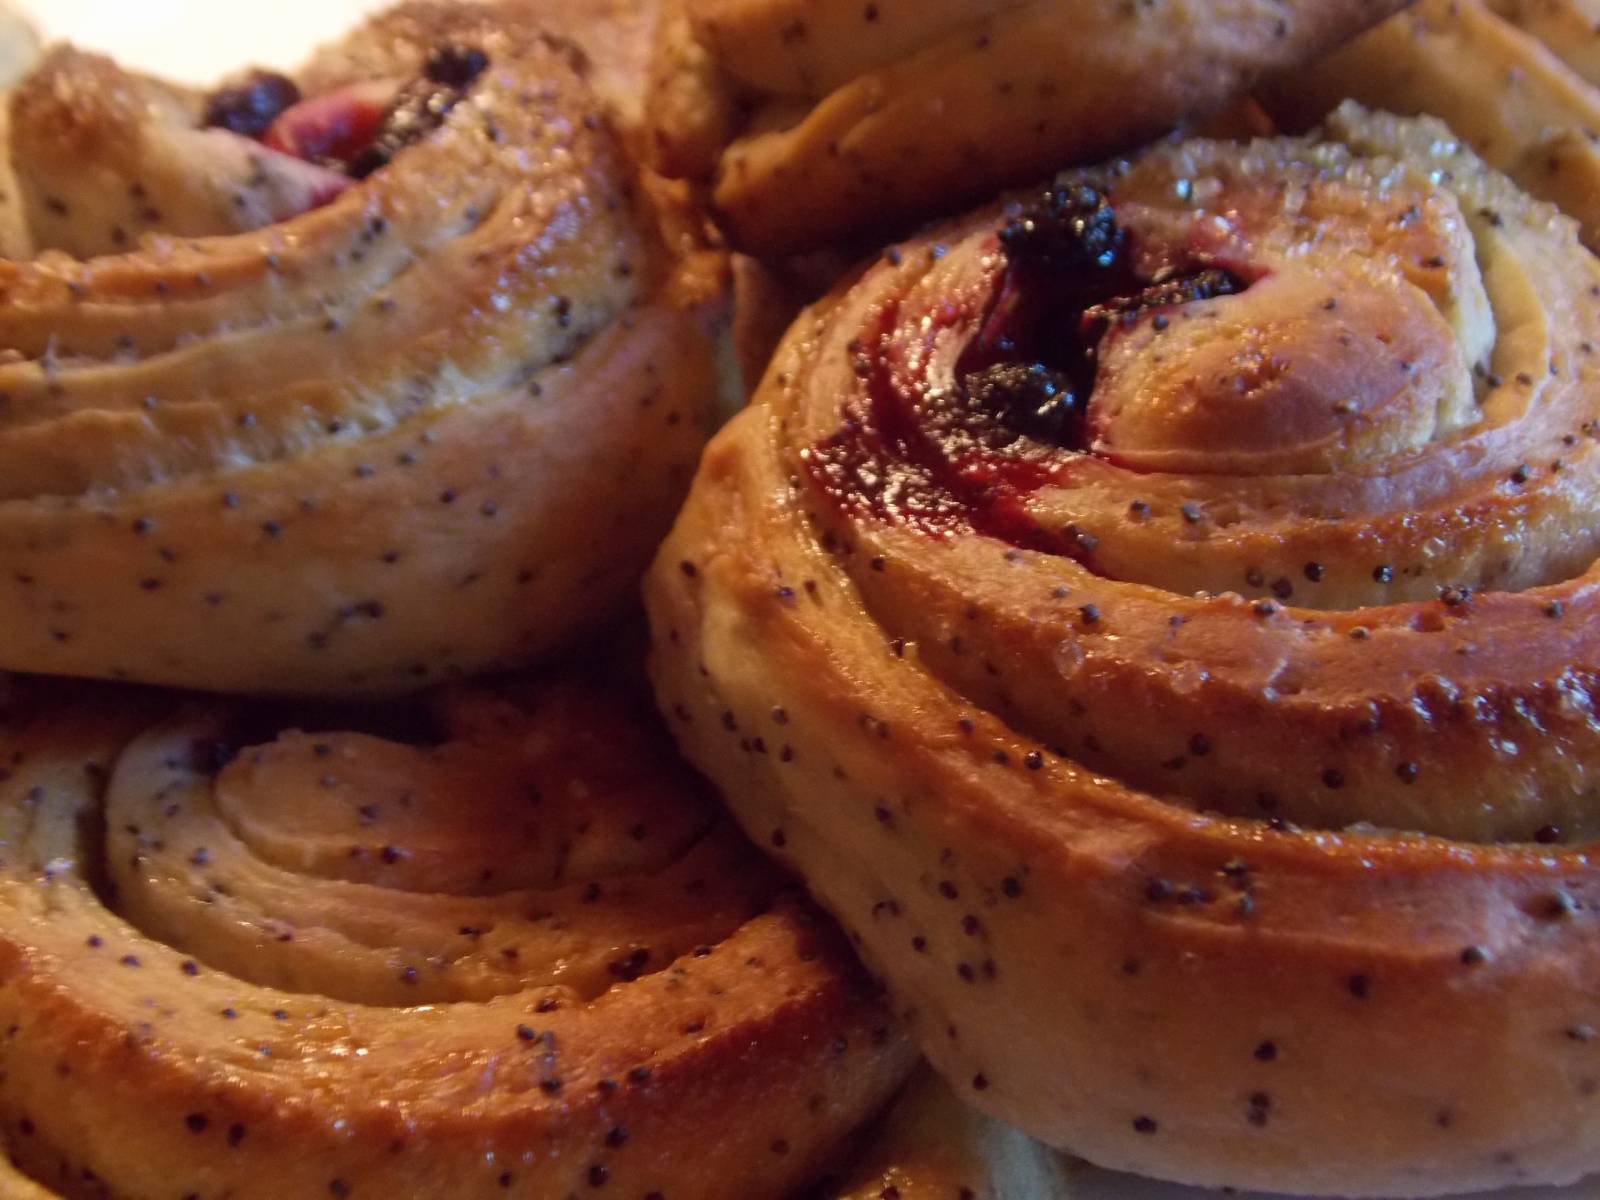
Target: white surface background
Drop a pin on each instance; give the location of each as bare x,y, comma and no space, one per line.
198,40
201,40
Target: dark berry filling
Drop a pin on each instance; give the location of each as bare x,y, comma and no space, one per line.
422,105
355,129
963,438
455,65
1169,287
250,106
1069,280
1031,398
330,129
1069,228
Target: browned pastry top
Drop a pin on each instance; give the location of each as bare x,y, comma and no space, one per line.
1171,594
496,944
1272,493
427,427
815,121
1519,80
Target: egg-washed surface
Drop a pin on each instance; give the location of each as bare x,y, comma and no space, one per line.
815,121
429,425
1519,80
1170,596
498,943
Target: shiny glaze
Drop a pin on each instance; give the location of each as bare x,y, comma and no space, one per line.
940,437
1300,518
1292,893
524,957
428,429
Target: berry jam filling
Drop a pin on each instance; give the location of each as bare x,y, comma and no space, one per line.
1032,398
422,105
1069,281
250,106
454,65
333,128
959,441
355,129
1070,229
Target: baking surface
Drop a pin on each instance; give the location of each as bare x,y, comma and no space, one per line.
199,40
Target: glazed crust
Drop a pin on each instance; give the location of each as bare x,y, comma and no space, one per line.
527,958
1517,79
103,156
1189,804
877,115
615,39
430,428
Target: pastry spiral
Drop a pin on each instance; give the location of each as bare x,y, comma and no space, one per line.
500,943
814,120
1158,617
429,427
1519,80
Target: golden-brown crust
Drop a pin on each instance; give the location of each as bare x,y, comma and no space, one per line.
429,428
1118,844
613,39
102,155
617,38
529,960
1517,79
876,115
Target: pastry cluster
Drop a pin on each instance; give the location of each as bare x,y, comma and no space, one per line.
1123,684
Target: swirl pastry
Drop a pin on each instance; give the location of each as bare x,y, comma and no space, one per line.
814,119
1158,617
1518,79
428,427
499,945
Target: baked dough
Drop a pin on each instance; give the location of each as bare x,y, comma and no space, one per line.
1518,79
816,120
499,943
432,427
1157,616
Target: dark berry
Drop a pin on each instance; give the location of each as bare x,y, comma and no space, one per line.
1165,291
1071,227
1030,398
422,105
454,65
251,105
